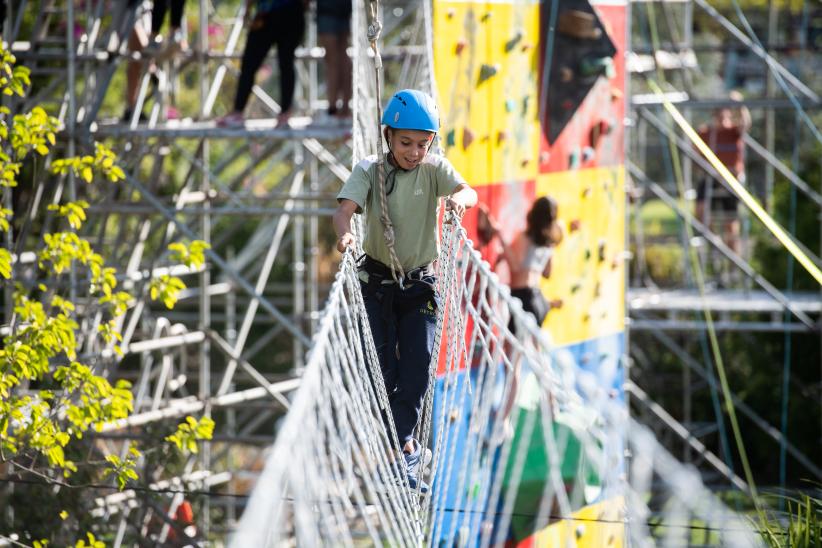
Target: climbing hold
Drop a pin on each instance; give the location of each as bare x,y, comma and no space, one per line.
616,94
591,66
597,290
614,264
451,138
454,414
461,43
450,13
509,105
587,154
467,137
600,129
587,254
524,162
580,530
567,104
578,24
576,287
525,101
586,318
501,137
573,159
512,43
586,192
601,251
486,72
544,157
525,47
566,74
485,16
574,225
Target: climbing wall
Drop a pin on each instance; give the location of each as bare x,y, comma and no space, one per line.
530,113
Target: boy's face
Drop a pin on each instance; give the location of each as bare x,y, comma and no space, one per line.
409,146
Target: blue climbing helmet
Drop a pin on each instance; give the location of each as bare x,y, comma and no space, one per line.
412,109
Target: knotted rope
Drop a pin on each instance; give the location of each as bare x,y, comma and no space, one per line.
373,35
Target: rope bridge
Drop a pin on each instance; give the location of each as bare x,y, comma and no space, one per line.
523,440
497,469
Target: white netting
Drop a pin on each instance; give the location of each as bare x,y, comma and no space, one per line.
328,480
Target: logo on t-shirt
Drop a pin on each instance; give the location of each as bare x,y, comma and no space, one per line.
418,192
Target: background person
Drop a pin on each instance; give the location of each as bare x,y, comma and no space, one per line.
333,30
280,22
725,137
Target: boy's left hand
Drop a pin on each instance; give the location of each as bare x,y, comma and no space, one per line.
454,205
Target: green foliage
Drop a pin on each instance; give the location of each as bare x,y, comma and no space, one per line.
51,394
803,528
92,542
190,432
84,167
123,469
71,398
192,256
74,212
166,288
658,219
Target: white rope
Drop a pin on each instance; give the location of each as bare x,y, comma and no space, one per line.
328,479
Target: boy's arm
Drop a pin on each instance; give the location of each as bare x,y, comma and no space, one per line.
342,224
463,197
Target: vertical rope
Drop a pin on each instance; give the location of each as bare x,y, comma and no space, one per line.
374,30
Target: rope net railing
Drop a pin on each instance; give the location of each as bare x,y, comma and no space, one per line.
521,439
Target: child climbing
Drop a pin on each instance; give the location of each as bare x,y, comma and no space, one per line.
529,255
398,280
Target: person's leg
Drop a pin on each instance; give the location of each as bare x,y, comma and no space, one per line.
733,234
158,16
289,35
2,15
177,14
417,321
384,332
176,38
260,39
136,42
332,69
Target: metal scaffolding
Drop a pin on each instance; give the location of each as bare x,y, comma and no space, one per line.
737,297
259,194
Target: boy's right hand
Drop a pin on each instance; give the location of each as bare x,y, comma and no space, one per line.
345,241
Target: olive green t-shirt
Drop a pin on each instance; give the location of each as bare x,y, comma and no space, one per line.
412,206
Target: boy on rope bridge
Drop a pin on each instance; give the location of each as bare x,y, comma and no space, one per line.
397,275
